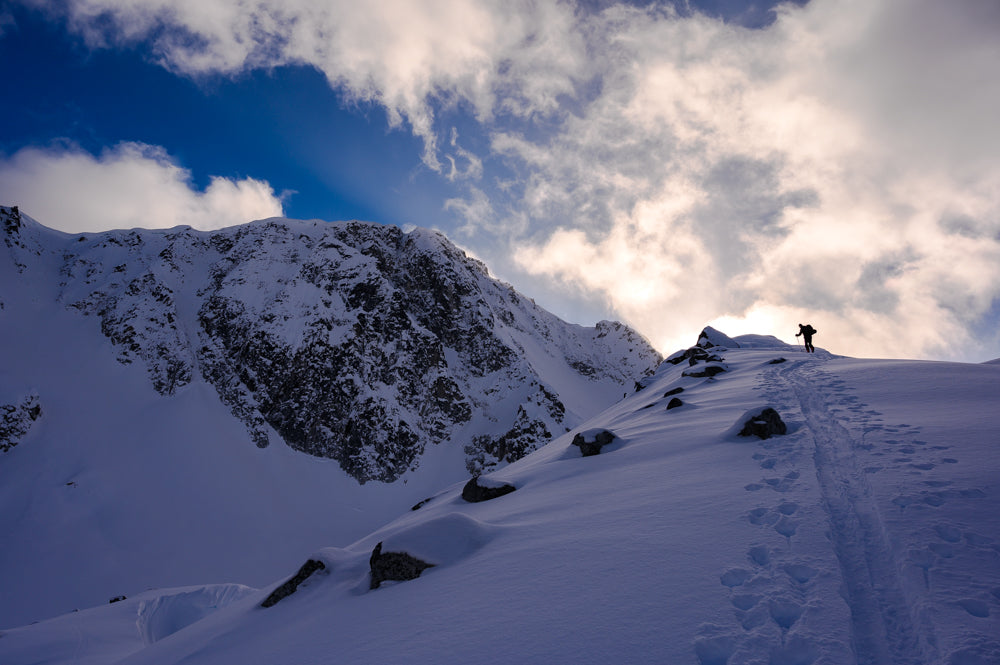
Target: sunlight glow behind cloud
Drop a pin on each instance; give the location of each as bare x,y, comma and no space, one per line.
839,166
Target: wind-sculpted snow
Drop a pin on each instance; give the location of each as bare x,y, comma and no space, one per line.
168,612
351,341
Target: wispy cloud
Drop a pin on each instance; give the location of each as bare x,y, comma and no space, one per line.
411,56
129,186
838,166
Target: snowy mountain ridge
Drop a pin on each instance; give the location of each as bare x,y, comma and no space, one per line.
350,341
865,529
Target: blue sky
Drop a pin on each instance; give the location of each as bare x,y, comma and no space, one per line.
287,126
745,165
332,158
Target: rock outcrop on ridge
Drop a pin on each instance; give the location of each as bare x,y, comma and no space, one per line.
352,341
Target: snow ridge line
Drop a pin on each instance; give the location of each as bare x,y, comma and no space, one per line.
883,618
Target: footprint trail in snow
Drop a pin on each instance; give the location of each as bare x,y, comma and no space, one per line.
828,499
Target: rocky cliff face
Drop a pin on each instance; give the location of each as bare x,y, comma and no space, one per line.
352,341
16,419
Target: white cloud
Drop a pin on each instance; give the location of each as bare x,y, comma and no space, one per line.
129,186
828,169
474,209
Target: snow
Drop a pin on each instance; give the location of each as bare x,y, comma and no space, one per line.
869,533
712,337
166,613
123,489
118,489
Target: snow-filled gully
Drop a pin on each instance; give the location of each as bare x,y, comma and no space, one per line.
886,626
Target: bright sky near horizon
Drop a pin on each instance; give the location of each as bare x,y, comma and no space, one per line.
745,165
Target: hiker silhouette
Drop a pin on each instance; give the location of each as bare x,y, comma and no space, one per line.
807,332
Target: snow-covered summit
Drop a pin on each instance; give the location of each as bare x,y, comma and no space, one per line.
711,338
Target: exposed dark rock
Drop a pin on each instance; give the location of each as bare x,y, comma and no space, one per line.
376,395
289,587
395,566
486,452
128,317
17,419
710,338
777,361
674,391
674,403
764,425
707,371
584,368
473,492
11,220
117,599
421,504
693,356
592,447
675,359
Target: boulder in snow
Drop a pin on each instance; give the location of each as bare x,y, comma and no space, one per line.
710,358
421,504
708,371
591,441
289,587
764,425
710,338
674,403
396,566
693,356
479,489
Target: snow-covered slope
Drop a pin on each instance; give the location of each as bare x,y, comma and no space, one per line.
869,532
138,369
